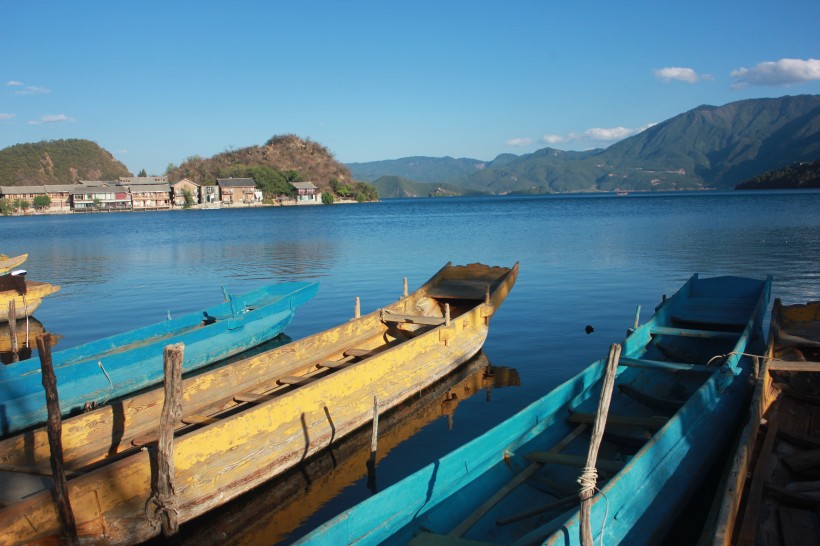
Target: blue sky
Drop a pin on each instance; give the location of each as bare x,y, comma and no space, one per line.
157,82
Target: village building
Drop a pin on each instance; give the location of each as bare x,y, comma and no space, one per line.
306,193
238,191
179,190
209,194
91,196
59,195
150,196
143,180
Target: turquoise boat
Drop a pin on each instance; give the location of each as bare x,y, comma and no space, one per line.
91,374
683,384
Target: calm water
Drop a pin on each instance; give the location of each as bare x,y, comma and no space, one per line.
584,260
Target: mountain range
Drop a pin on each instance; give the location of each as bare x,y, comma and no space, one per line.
707,147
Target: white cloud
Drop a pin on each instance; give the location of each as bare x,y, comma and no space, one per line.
52,118
596,134
14,83
6,116
782,73
32,90
678,73
519,142
554,139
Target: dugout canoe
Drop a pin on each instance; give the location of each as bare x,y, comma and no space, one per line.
249,421
772,490
26,294
7,263
682,387
94,373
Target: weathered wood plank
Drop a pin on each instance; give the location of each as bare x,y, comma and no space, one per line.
790,366
689,332
665,366
620,420
546,457
412,319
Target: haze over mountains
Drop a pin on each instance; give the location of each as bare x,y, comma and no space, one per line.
706,147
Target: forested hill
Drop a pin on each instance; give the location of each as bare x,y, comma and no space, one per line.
287,156
794,177
706,147
57,162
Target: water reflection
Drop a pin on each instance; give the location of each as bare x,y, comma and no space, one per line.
273,511
27,332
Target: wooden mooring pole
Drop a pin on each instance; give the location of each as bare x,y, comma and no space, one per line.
59,490
15,355
589,474
357,308
374,446
164,493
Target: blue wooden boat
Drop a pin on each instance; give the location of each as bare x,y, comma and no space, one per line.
94,373
682,388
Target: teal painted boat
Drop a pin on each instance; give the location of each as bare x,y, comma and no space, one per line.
682,386
91,374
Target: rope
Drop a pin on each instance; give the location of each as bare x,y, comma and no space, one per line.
716,357
588,480
110,383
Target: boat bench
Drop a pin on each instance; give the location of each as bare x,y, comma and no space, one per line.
728,313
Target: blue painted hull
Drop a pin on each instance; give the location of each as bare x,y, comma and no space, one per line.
687,413
115,366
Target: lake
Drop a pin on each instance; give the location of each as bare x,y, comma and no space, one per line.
584,260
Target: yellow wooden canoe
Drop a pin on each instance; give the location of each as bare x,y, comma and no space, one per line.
25,304
769,495
7,263
248,422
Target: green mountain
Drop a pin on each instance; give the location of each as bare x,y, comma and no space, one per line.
396,186
794,177
57,162
707,147
287,154
420,169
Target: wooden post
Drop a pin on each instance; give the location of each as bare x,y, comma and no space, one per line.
357,308
447,314
163,490
374,436
15,356
589,475
404,293
487,295
59,491
637,317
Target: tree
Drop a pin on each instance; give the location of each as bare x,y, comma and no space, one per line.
6,207
327,198
21,204
96,203
189,198
42,202
142,174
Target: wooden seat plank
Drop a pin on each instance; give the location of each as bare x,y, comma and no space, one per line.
620,420
412,319
665,366
547,457
690,332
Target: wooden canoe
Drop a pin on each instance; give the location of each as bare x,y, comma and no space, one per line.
249,421
25,303
7,263
682,386
94,373
772,490
270,513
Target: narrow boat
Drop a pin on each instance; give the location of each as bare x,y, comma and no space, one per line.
771,492
682,386
27,295
97,372
251,420
270,513
7,263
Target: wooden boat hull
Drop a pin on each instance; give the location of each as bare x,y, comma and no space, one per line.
109,368
270,424
25,305
763,500
7,263
664,427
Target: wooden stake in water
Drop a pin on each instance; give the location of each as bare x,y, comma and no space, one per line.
59,491
589,475
164,492
15,356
